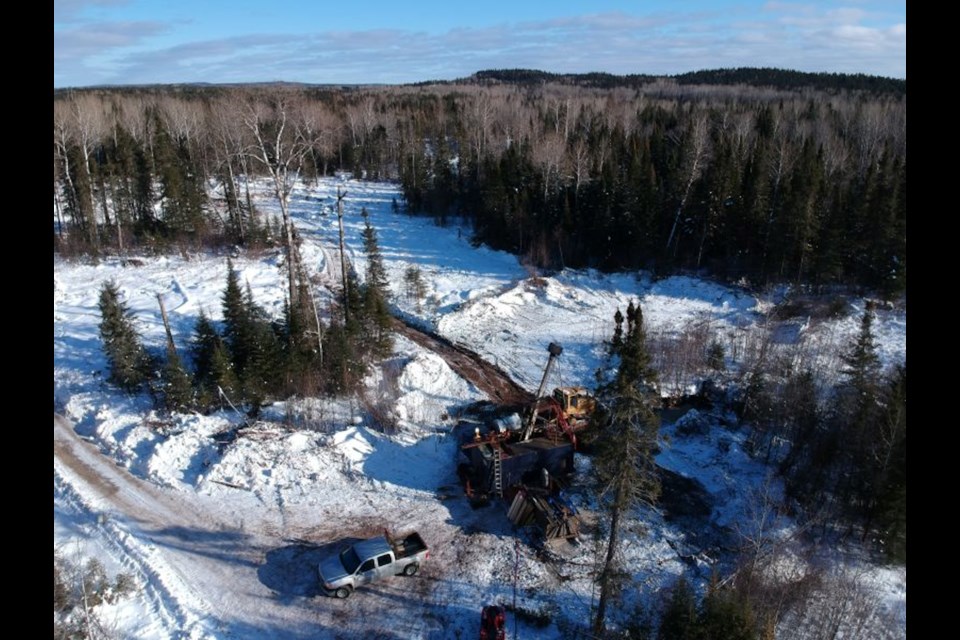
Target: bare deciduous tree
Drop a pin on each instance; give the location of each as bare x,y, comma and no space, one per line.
279,148
697,145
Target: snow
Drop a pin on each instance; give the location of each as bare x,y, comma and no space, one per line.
224,537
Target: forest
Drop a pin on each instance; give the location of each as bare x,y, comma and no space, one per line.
760,182
754,177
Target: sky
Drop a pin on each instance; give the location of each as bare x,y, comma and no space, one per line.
388,42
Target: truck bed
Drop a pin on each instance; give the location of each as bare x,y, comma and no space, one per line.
409,546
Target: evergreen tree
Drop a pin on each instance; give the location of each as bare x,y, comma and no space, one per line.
126,358
176,384
237,322
303,333
376,274
204,343
223,379
679,619
635,366
723,614
891,457
183,196
716,356
617,343
415,287
628,431
861,362
375,295
264,374
859,409
213,369
342,367
255,351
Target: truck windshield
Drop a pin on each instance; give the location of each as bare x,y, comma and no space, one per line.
349,559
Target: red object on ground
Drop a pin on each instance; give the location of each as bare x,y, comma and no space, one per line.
493,622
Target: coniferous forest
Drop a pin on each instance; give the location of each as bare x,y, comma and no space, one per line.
752,175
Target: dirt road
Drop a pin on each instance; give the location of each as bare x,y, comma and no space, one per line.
233,566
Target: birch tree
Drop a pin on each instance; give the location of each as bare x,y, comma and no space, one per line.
280,150
697,145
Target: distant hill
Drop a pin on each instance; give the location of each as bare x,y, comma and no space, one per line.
786,79
759,77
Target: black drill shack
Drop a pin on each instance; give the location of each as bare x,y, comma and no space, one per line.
520,462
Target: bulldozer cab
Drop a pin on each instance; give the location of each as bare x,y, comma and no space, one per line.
575,401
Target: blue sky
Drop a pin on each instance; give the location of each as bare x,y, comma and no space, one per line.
382,41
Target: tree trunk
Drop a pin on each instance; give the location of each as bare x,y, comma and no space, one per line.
343,261
607,573
57,207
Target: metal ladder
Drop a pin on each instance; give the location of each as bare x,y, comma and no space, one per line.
497,472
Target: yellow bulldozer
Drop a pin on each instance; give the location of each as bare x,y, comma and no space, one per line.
565,412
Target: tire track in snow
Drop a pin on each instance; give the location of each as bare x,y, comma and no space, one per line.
116,539
86,489
92,483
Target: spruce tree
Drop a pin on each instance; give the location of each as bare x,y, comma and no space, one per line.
263,373
416,288
635,366
891,457
237,322
617,343
223,379
255,351
342,367
861,362
628,431
205,341
376,292
376,273
859,416
177,386
679,619
126,358
213,369
724,614
716,356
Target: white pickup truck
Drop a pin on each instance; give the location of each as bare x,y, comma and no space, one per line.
370,560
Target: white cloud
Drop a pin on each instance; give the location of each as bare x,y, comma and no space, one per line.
788,35
96,38
69,10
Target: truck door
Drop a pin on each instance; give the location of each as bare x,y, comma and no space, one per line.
385,565
366,573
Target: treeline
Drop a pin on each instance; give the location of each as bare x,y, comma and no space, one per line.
763,184
594,79
755,184
746,76
786,79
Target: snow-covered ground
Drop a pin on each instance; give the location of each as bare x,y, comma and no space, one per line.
224,538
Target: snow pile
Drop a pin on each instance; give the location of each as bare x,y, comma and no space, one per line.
429,391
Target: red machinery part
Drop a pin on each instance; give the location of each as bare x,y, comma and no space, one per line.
493,621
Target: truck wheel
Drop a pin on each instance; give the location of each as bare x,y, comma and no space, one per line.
411,569
343,592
